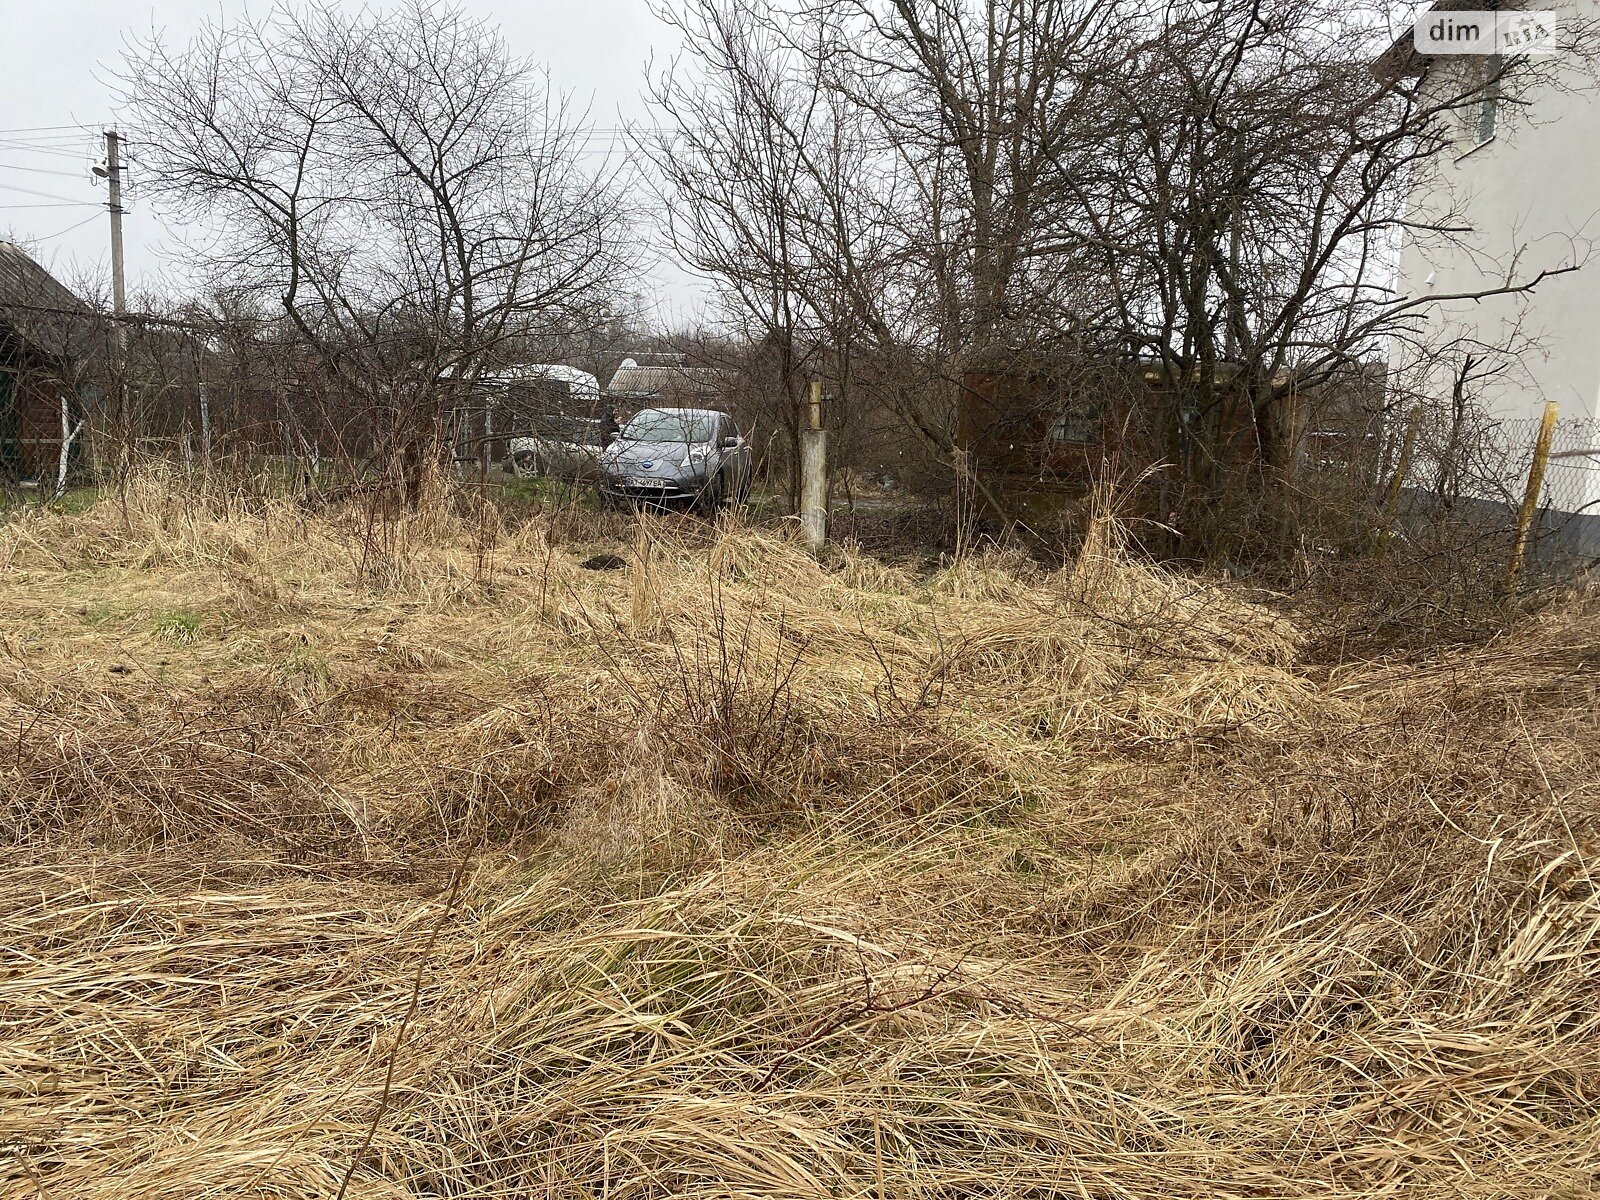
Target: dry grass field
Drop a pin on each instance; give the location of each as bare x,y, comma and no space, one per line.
462,870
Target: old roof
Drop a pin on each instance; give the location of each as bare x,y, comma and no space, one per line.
43,311
1401,60
631,379
584,385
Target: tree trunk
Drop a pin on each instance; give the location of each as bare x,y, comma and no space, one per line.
1278,433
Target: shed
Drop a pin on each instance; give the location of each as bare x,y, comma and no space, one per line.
681,386
52,344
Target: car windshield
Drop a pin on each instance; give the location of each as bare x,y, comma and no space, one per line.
657,425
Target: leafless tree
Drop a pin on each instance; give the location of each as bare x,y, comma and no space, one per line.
1241,218
1210,195
868,172
757,162
401,189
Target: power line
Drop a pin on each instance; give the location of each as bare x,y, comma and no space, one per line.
12,187
23,148
68,204
28,143
55,141
44,147
41,170
63,232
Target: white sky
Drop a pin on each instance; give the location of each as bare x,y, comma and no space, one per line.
58,53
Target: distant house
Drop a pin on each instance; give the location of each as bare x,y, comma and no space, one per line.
520,401
53,348
679,386
1521,189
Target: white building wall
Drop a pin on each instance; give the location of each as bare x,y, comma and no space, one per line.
1531,197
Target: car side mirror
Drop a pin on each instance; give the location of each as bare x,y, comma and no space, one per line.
730,443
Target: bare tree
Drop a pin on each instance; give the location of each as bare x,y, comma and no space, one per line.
405,192
756,163
1242,217
1208,196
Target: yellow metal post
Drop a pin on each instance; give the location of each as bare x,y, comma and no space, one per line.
1530,498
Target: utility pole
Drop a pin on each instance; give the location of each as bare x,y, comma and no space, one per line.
119,291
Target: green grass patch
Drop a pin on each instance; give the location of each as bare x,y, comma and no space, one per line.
181,626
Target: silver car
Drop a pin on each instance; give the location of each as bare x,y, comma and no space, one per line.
667,456
558,447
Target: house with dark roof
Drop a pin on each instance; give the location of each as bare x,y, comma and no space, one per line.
53,350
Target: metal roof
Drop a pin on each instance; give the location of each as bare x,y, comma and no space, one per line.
582,384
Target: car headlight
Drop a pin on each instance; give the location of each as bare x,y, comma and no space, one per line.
695,456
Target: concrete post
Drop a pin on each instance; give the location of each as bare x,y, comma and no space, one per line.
814,474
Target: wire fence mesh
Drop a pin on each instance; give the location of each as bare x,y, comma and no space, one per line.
1474,472
1572,479
1567,517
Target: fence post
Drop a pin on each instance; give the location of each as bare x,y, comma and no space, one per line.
814,474
1530,498
1391,500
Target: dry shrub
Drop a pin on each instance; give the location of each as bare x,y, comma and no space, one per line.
1114,647
139,767
640,819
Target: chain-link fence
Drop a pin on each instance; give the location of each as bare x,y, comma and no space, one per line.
1480,470
1572,478
1567,521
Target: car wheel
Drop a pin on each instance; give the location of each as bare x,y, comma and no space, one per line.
525,464
710,497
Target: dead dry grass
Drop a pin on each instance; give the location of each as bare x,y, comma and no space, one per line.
772,878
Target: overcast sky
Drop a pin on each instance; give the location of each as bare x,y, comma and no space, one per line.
58,54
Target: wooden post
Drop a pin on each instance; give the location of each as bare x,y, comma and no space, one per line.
1530,498
1391,499
814,474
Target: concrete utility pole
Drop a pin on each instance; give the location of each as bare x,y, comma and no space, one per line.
119,291
814,474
